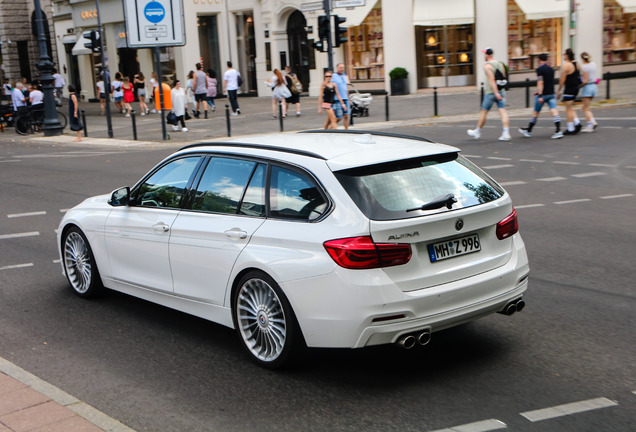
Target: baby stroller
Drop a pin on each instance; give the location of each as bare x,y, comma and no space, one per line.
359,102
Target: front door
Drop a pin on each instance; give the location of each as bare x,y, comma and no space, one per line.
298,49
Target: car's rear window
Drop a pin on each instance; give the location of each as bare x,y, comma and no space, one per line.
397,190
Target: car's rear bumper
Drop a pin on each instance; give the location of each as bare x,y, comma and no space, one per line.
351,309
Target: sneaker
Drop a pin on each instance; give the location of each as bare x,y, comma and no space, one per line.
154,111
577,128
274,117
147,111
234,114
175,128
557,135
297,114
143,113
238,111
196,114
569,132
474,133
595,125
504,137
525,132
184,129
213,108
587,129
127,115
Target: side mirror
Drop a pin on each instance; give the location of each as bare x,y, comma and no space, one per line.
120,197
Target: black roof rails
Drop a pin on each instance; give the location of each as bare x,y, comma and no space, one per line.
257,146
360,132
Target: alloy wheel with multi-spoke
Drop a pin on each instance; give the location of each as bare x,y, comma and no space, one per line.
78,262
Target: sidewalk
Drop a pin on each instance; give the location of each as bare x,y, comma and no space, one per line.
454,104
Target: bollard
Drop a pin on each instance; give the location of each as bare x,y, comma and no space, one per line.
134,124
84,123
435,101
349,112
481,95
527,92
386,105
227,120
280,114
608,77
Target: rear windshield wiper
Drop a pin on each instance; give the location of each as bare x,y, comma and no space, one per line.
439,202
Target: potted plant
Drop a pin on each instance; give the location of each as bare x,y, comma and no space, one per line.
399,81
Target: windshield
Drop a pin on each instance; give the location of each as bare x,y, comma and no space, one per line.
388,191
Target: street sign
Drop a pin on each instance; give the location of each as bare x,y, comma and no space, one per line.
348,3
311,6
152,23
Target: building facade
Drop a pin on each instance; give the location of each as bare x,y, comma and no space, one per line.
438,42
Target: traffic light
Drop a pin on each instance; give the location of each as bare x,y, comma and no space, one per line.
93,37
323,27
340,33
319,46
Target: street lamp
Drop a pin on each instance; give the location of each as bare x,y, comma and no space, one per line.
51,125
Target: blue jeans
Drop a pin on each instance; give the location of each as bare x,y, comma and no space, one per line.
338,109
490,99
231,95
547,99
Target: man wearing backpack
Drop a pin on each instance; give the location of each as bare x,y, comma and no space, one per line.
295,88
494,93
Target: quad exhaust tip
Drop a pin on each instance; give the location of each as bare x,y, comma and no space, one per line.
409,341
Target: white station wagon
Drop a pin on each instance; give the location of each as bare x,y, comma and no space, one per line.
314,239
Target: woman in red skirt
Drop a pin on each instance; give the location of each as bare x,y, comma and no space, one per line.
129,96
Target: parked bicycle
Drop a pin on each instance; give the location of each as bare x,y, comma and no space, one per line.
29,120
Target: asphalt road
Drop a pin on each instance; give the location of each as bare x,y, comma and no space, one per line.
566,363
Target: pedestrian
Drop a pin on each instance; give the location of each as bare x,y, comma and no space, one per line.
341,109
17,96
36,97
212,87
492,94
570,81
129,95
6,89
190,92
178,97
200,86
328,93
73,113
589,89
118,92
139,80
291,79
279,92
101,91
231,82
58,83
154,83
544,95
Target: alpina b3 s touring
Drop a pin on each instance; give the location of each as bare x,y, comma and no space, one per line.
314,239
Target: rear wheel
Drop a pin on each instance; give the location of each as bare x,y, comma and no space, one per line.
23,125
79,264
265,321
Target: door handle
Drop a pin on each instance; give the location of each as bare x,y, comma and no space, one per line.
161,227
236,233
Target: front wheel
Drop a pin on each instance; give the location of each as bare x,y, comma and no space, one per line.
265,321
23,125
79,264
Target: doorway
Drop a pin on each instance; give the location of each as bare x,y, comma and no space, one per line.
298,47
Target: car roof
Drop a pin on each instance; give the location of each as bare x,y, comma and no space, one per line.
340,149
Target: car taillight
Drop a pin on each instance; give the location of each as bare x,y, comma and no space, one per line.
508,227
363,253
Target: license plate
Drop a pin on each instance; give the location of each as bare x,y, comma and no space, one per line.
454,248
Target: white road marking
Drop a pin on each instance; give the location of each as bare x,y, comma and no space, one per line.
612,127
602,165
568,409
498,166
499,158
10,160
631,167
617,196
529,206
551,179
513,183
482,426
17,215
10,267
572,201
566,163
17,235
532,160
472,156
64,210
590,174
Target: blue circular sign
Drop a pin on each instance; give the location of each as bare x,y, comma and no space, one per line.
154,12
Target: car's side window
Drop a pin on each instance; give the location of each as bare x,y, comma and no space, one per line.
221,187
166,186
294,195
253,203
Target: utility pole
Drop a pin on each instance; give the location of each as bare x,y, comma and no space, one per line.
105,72
327,7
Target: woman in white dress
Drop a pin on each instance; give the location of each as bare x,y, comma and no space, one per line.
178,96
280,92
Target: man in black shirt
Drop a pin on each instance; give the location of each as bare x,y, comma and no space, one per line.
545,94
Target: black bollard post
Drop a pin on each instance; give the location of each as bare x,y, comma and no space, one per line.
280,114
527,92
134,124
350,114
608,77
435,101
386,105
481,95
84,123
227,120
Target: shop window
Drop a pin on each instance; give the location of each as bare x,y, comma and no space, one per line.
445,55
619,34
529,38
365,49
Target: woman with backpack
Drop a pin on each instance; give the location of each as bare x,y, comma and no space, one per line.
295,88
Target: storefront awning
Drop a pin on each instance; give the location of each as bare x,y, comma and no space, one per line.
356,15
541,9
79,48
447,12
629,6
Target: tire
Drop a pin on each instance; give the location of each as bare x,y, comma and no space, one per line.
79,264
265,322
62,118
23,125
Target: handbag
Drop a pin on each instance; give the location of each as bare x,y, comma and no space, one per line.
171,118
